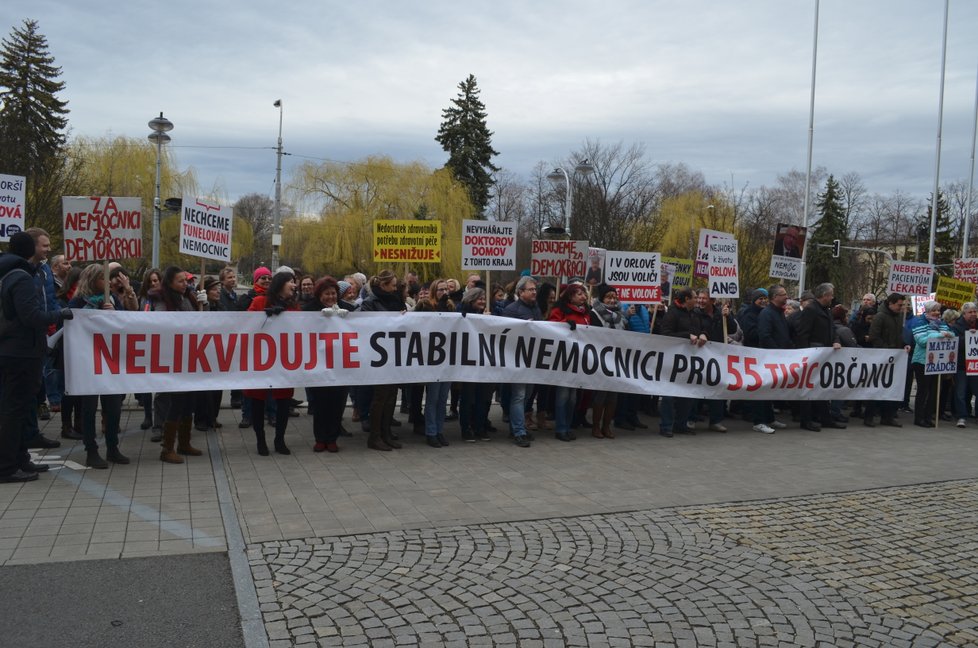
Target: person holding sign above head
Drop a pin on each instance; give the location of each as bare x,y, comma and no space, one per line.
932,326
280,296
176,408
710,318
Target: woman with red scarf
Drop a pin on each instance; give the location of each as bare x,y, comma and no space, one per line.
280,296
571,307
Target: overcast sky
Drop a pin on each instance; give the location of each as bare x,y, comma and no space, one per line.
722,86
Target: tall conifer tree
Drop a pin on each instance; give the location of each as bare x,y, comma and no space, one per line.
467,139
32,117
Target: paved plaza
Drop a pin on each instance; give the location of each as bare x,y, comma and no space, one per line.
842,537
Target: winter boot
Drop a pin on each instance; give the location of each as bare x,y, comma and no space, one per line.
609,416
169,439
183,439
94,460
113,455
596,414
280,424
375,442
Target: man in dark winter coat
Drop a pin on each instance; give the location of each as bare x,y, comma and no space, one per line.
679,322
773,332
816,329
23,345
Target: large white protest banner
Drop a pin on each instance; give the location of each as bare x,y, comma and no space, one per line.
488,245
558,258
910,278
205,229
12,192
98,228
110,352
634,275
724,278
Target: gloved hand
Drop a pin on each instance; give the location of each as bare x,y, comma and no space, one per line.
274,310
67,314
201,296
573,325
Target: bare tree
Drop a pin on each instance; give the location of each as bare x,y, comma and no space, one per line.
619,193
259,211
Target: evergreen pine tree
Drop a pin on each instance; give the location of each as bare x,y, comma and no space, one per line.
822,266
464,135
32,118
945,248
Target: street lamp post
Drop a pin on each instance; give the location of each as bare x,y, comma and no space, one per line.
583,168
277,219
160,127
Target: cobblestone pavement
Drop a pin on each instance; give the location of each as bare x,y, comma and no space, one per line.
888,567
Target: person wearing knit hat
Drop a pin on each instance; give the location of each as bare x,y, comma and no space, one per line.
344,287
21,244
758,293
260,271
284,268
22,352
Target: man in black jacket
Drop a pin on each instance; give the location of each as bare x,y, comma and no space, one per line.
679,322
773,332
816,329
23,345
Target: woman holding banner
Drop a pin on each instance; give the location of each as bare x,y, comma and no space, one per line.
327,403
279,297
473,406
608,309
384,296
152,279
176,408
436,393
571,307
91,295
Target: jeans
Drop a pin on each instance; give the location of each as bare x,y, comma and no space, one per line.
564,401
671,409
54,381
434,407
965,387
517,424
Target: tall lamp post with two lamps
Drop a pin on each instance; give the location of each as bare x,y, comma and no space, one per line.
160,127
584,168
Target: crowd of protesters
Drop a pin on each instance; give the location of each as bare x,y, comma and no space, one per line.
38,294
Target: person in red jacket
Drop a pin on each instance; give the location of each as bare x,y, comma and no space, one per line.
571,307
278,297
